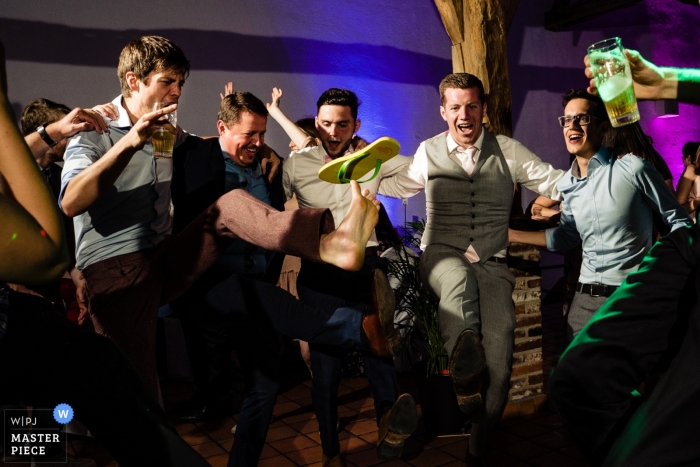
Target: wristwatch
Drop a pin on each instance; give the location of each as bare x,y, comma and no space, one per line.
45,136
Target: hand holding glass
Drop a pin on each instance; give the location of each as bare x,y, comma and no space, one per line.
613,78
162,140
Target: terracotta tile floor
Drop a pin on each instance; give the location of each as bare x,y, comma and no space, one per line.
535,440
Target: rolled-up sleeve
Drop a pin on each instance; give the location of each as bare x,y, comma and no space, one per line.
82,150
566,236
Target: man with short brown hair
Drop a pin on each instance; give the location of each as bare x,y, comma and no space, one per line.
150,54
326,285
468,175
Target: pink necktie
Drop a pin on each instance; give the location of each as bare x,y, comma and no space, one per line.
466,157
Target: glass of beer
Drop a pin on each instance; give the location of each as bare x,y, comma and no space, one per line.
613,78
162,140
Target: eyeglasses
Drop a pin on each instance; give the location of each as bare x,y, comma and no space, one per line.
581,119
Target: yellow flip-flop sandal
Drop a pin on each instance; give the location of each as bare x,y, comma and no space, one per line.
359,163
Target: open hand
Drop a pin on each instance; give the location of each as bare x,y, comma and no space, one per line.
108,110
147,124
276,97
76,121
228,89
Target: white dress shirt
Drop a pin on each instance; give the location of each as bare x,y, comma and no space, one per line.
525,168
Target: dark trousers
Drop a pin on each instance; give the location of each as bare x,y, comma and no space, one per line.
257,345
47,360
126,291
650,324
259,311
209,340
327,286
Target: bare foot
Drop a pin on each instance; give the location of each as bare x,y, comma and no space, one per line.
345,246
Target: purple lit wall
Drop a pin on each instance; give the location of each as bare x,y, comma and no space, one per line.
392,57
675,43
544,65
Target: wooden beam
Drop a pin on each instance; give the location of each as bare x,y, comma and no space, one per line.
570,12
477,29
509,8
451,15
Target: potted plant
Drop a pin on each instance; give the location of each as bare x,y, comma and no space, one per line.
421,343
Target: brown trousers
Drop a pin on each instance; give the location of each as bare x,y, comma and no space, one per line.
126,291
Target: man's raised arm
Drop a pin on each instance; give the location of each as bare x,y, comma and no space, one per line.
653,82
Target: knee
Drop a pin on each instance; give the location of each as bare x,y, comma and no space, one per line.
265,392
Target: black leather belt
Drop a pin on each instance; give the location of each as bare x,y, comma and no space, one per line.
498,260
596,290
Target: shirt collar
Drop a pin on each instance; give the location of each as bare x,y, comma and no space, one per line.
602,157
123,120
452,144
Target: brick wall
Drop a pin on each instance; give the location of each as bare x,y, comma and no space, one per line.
525,394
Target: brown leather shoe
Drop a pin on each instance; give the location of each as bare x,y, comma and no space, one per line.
466,366
397,424
378,320
336,461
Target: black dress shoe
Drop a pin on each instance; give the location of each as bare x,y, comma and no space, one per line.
211,411
466,366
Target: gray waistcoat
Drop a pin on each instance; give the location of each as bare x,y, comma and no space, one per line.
464,210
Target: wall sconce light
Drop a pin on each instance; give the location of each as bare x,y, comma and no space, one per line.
666,108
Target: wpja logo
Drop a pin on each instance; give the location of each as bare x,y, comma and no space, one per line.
37,434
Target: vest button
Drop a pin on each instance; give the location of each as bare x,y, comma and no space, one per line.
471,181
473,227
473,204
472,193
473,216
471,239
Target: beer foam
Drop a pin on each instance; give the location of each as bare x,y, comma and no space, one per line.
614,86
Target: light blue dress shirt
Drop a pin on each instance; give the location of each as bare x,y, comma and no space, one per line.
135,213
610,211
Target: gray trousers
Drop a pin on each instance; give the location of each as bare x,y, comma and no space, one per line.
583,307
479,297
